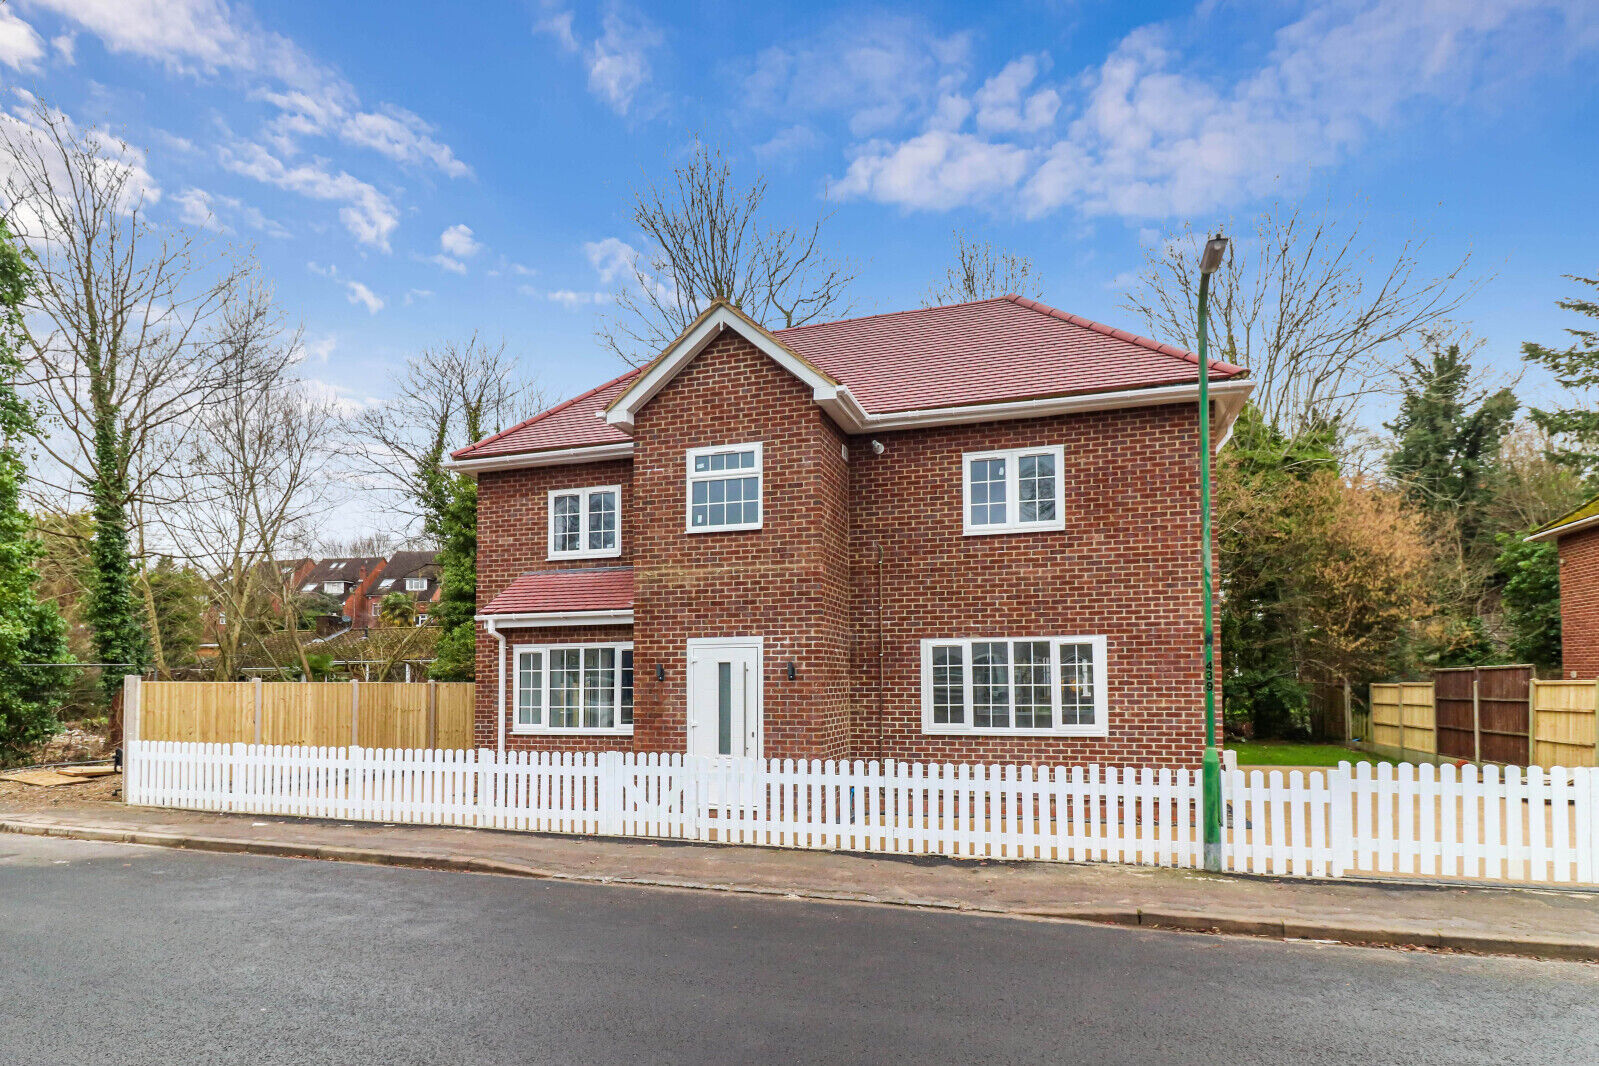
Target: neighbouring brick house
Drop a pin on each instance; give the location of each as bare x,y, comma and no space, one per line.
349,583
958,533
415,573
1576,535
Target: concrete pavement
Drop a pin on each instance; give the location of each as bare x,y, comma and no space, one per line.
1544,923
132,956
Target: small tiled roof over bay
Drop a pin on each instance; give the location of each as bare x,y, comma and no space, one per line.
606,588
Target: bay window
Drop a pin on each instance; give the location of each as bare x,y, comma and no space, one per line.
1007,686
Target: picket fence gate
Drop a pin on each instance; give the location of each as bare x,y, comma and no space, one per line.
1537,825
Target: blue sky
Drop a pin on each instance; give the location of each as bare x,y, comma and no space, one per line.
408,172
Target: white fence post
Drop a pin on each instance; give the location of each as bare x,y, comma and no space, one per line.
132,782
1340,798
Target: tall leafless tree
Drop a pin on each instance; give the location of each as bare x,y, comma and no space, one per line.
709,240
450,395
1318,318
128,343
981,271
257,473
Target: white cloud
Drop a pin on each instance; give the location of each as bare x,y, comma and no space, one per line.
197,207
444,262
877,70
613,259
1149,135
360,294
66,48
936,170
317,350
618,60
1005,105
338,397
570,299
20,47
368,214
459,242
415,295
789,141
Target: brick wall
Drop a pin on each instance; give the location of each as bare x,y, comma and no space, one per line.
1579,603
786,582
513,539
485,726
1126,567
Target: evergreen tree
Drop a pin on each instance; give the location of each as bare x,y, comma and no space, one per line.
1447,443
456,532
31,632
1531,599
1575,429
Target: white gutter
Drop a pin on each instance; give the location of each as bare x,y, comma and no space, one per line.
591,453
499,707
1572,527
540,619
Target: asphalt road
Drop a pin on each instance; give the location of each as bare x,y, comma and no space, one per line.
129,955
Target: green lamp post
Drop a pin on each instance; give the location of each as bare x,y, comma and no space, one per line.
1209,260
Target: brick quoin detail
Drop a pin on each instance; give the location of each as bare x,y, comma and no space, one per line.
1579,604
1125,567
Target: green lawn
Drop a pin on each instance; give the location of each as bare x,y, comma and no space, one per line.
1288,753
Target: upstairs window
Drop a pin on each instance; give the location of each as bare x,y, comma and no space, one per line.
1013,491
333,588
416,584
585,523
1007,686
724,488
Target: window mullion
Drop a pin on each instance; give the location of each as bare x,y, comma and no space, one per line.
969,715
1013,489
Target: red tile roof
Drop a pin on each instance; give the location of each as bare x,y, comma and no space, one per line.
987,351
606,588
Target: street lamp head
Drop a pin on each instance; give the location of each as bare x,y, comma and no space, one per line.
1210,258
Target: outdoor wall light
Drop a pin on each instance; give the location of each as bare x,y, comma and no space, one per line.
660,671
877,447
791,670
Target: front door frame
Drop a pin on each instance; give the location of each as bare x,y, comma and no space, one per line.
699,645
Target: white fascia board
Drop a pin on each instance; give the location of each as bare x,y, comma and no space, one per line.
545,619
1229,397
644,389
592,453
1560,531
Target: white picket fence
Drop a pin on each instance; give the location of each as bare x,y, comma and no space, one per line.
1433,821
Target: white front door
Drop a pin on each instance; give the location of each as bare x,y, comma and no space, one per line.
724,696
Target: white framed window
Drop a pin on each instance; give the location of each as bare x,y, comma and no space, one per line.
572,688
333,588
586,523
416,584
724,488
1009,686
1013,491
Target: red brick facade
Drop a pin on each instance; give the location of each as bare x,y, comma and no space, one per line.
1124,568
1579,603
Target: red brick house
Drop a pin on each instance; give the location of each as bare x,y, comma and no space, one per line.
1576,535
957,533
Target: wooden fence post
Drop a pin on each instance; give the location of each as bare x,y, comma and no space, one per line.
1476,721
355,713
130,711
433,714
1349,714
1402,721
257,687
1532,714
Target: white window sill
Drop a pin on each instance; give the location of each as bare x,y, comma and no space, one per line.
1054,731
725,529
1029,527
601,553
545,731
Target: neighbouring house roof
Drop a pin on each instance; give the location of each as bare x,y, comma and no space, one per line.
402,565
354,570
1584,517
605,589
879,369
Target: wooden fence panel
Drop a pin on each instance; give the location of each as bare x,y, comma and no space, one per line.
1563,723
1420,728
456,706
1502,697
1385,716
1456,712
296,713
197,711
393,714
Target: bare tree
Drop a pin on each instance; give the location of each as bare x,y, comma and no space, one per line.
257,475
450,395
1319,321
128,341
981,271
709,241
